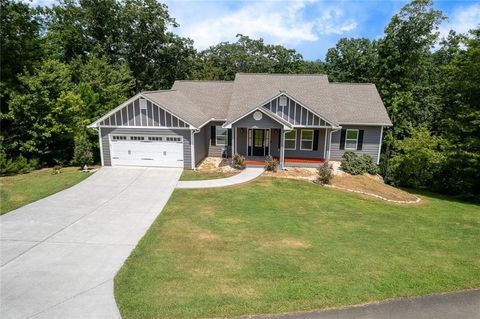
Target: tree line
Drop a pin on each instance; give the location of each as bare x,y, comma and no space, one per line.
62,67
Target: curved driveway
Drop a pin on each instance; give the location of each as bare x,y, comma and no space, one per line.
59,255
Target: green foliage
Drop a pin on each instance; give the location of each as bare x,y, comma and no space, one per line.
357,165
224,60
352,60
82,154
271,164
325,173
19,165
419,161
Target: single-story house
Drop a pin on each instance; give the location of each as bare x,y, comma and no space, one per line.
299,119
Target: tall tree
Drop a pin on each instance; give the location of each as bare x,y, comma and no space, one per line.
406,76
20,49
352,60
461,123
224,60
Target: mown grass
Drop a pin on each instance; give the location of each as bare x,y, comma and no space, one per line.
278,245
190,175
22,189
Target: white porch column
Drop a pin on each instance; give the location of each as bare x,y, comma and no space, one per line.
282,149
233,142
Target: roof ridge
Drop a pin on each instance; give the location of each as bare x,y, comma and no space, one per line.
225,81
283,74
351,83
159,91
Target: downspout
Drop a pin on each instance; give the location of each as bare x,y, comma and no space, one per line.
192,146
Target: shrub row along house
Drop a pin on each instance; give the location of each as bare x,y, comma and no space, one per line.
299,119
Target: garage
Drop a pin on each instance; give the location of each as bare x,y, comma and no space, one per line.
146,150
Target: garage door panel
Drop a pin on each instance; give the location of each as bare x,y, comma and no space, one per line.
146,153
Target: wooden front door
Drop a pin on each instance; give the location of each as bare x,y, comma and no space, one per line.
258,142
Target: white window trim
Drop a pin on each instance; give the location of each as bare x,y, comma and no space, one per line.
346,139
285,139
216,136
301,140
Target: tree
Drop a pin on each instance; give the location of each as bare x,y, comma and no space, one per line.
352,60
406,74
419,160
224,60
20,51
461,119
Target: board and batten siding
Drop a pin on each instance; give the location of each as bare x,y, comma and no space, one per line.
152,116
294,113
265,122
371,142
185,134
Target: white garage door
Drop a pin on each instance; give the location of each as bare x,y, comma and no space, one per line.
145,150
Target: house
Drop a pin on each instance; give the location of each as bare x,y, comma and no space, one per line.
299,119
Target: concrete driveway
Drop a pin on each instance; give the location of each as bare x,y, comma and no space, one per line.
59,255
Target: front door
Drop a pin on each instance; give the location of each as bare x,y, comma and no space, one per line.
258,142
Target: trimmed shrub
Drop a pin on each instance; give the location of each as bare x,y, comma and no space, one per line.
325,173
271,164
357,165
238,161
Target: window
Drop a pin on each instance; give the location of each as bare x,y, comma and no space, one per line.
137,138
306,144
154,138
351,139
221,135
174,139
119,138
291,140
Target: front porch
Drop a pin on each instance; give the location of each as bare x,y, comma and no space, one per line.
298,147
258,161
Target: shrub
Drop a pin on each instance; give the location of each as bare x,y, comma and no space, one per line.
271,164
418,161
238,161
325,173
82,154
356,165
20,165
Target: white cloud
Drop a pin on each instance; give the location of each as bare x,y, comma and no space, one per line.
287,23
462,20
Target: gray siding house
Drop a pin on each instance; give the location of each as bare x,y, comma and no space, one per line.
300,119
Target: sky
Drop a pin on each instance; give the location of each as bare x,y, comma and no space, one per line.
309,26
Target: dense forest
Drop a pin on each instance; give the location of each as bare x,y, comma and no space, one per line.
64,66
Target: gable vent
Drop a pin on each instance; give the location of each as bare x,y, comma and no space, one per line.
143,104
282,101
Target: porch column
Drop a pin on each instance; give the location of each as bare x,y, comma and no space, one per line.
234,131
282,149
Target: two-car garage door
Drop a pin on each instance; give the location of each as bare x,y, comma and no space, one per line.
145,150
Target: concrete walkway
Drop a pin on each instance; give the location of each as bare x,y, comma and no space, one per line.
458,305
244,176
59,255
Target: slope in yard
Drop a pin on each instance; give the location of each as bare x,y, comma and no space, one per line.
281,245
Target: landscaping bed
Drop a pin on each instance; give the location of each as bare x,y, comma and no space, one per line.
210,168
279,245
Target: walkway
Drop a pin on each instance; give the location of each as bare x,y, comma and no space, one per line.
59,255
246,175
458,305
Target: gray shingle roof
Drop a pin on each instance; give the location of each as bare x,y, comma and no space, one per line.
339,103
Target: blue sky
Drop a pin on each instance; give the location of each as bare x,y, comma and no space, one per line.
309,26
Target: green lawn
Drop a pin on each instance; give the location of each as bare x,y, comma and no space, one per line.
19,190
278,245
190,175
